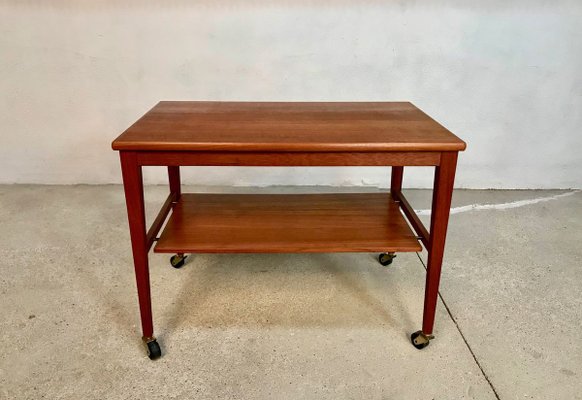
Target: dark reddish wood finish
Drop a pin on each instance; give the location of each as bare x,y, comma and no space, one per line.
133,186
444,179
161,218
416,223
287,127
174,178
398,196
282,159
289,134
396,181
286,223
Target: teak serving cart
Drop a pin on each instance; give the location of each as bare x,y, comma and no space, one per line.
175,134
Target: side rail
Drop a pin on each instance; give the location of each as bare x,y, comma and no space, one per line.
416,223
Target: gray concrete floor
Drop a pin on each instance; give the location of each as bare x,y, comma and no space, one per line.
284,326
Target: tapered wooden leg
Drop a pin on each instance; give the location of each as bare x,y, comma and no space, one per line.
396,181
395,189
441,205
134,198
174,178
177,260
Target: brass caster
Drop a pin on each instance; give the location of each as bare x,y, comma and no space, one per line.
178,260
386,258
420,340
152,348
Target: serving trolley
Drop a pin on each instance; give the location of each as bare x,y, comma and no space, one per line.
276,134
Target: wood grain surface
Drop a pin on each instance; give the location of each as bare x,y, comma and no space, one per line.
286,223
288,127
287,159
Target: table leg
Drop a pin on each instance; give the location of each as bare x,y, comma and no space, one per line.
396,181
179,259
441,205
174,178
134,199
395,188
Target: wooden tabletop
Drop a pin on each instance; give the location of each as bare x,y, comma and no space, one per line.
277,126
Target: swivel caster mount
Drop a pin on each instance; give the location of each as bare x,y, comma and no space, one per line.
178,260
386,258
420,340
152,348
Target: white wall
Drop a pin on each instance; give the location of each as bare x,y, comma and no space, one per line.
506,78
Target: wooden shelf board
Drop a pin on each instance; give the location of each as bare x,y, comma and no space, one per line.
286,223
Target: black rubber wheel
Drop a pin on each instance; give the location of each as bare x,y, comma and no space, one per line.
154,350
419,340
386,258
177,261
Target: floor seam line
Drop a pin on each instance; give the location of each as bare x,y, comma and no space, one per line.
463,336
503,206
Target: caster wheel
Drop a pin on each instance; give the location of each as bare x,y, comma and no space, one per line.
153,349
386,258
178,260
420,340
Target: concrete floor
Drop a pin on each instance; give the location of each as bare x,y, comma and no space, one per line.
319,326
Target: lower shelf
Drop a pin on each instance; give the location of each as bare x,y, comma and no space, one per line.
286,223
